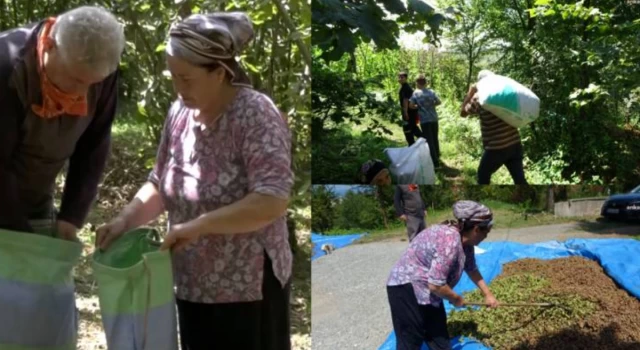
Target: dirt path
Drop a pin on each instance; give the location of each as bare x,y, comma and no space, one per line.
349,306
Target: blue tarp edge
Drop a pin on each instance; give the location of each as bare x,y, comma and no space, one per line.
338,241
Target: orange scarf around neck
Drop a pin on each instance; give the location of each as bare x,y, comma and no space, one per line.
54,101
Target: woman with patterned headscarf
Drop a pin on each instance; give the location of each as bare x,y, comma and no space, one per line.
428,271
223,175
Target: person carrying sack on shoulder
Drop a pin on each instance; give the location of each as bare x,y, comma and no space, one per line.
501,141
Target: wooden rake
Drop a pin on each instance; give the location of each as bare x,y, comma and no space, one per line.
515,304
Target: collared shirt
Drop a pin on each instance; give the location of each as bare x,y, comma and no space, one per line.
436,256
203,168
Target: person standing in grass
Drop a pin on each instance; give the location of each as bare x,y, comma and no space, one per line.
427,272
501,141
410,209
223,175
58,100
409,115
425,101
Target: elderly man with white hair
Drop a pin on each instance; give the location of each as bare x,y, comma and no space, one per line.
58,96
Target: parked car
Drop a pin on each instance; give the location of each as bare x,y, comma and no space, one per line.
622,206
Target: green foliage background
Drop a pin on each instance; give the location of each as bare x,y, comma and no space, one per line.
278,61
364,208
579,57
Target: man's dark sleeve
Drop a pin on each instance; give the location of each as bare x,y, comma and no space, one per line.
12,212
397,201
407,92
89,158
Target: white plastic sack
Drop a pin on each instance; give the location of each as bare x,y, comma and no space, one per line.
412,165
507,99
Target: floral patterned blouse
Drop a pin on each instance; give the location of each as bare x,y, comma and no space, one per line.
202,168
435,256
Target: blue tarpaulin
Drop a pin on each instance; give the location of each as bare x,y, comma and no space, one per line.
337,242
620,259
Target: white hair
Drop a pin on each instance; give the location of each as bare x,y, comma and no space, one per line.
90,35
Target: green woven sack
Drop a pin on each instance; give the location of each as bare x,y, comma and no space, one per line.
37,301
135,289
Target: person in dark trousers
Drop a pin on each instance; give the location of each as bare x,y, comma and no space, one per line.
223,176
425,101
410,209
428,271
501,141
58,97
409,115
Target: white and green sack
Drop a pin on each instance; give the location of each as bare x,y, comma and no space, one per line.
135,288
37,301
507,99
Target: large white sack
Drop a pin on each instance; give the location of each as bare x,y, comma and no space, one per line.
507,99
412,165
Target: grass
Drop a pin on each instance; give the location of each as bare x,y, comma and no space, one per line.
131,160
506,216
337,157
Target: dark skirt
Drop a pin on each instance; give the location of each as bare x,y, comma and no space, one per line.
257,325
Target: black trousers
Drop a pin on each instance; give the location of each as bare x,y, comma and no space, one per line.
411,131
259,325
511,157
430,133
415,324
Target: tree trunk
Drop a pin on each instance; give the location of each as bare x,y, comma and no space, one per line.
352,65
3,16
382,211
185,9
293,240
469,73
550,199
304,50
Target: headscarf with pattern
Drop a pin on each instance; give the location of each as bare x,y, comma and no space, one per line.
214,38
466,210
